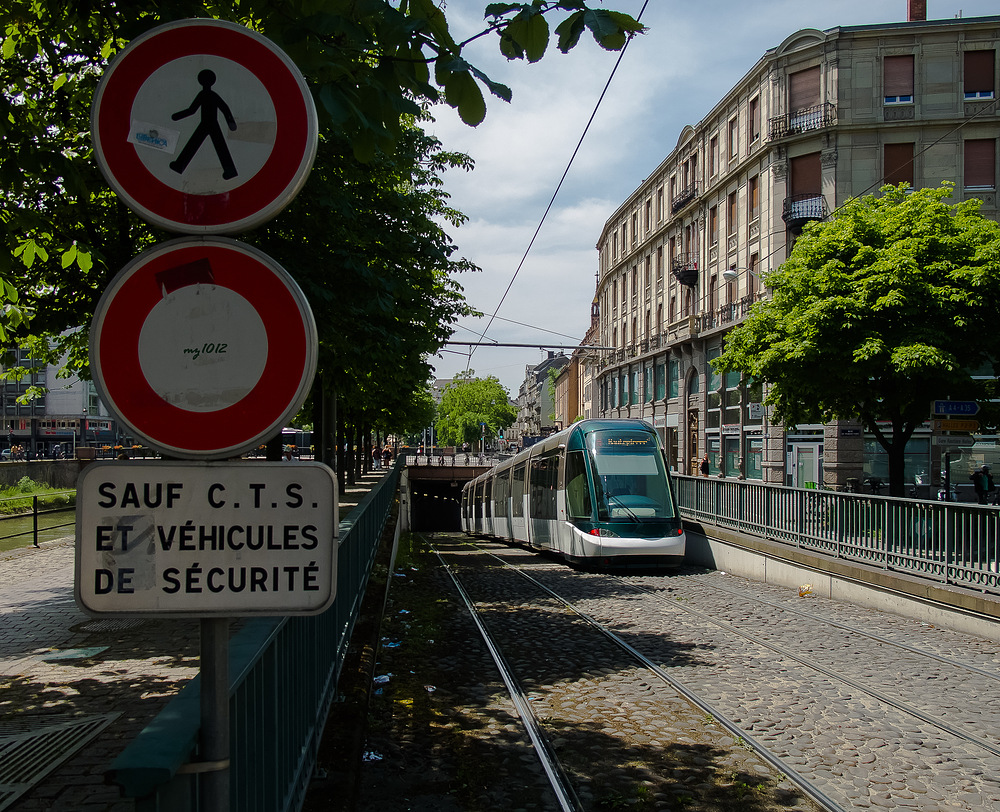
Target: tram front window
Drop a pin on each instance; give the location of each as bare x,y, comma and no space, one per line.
629,474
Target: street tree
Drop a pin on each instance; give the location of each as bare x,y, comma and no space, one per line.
371,67
472,408
887,306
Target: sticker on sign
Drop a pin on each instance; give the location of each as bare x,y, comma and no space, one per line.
206,539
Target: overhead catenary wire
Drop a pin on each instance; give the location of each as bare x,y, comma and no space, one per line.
555,193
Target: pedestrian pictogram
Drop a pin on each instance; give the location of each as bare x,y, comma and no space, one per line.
205,347
211,106
204,127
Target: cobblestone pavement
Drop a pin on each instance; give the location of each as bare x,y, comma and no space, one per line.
444,735
62,671
880,712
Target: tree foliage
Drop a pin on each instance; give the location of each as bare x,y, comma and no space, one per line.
363,239
472,408
889,305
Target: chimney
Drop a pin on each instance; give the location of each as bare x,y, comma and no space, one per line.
916,10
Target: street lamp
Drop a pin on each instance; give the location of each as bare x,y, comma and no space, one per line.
732,274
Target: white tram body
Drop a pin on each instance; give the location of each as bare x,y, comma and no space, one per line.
597,492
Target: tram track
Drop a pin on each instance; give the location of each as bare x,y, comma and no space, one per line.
875,693
558,775
851,686
853,630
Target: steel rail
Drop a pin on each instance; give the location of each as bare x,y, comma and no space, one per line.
878,638
807,787
881,696
561,786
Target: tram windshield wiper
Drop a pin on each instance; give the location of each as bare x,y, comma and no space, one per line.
619,503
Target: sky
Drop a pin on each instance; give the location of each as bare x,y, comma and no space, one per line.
671,76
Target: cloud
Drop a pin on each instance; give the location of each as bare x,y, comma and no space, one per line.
672,76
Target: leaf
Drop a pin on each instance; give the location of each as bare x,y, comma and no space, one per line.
611,28
531,33
569,31
462,93
68,257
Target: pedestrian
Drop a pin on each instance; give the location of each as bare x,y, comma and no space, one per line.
387,455
704,465
376,457
982,481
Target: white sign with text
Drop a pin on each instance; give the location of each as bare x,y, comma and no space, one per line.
206,539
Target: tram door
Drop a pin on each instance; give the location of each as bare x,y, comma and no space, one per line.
692,442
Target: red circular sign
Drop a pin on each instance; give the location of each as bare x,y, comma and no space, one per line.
204,347
204,126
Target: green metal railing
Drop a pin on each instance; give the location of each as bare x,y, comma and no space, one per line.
284,674
947,542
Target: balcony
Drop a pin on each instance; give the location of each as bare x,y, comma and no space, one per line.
726,315
684,197
802,121
798,210
685,268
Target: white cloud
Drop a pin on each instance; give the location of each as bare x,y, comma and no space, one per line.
670,77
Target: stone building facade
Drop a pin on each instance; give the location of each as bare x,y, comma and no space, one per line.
820,118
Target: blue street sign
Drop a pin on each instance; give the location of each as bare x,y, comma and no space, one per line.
950,407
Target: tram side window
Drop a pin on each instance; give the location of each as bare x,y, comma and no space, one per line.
478,504
488,498
501,489
517,491
577,490
542,487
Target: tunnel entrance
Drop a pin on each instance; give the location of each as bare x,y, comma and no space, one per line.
436,505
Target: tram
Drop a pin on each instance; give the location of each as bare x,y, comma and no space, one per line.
597,493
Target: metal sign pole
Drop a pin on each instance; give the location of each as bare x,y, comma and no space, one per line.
214,781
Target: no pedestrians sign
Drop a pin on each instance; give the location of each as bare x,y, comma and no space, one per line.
204,126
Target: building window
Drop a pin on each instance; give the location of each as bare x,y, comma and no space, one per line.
734,134
659,318
673,308
635,228
634,401
659,205
897,163
980,163
803,90
649,215
753,119
649,271
978,74
673,378
659,263
753,198
713,225
752,276
713,156
614,245
648,392
897,79
661,381
731,209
